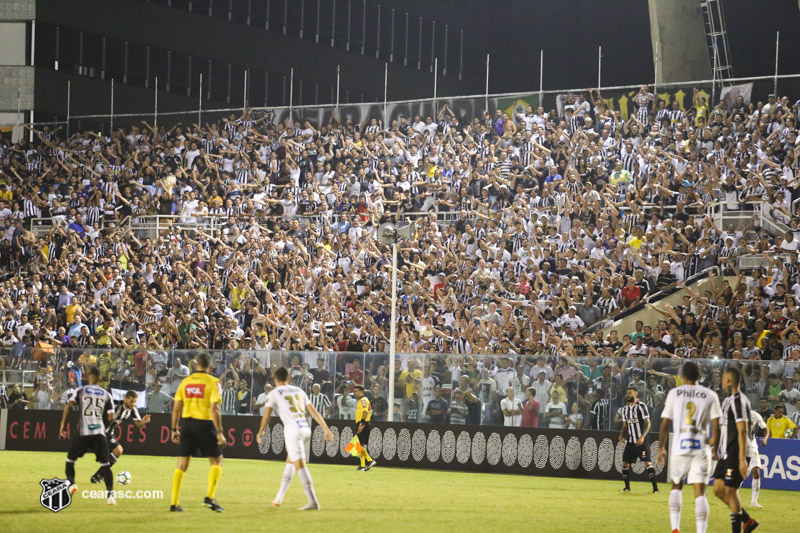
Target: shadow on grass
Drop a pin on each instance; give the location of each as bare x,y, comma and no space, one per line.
22,511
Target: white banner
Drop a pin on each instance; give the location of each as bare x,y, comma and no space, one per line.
730,94
119,394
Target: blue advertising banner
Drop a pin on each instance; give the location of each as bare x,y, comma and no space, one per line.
780,465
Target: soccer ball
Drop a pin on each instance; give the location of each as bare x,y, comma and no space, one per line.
124,478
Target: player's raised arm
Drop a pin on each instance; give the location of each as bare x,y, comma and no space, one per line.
318,417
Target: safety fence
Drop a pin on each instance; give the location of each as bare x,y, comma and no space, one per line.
464,108
581,391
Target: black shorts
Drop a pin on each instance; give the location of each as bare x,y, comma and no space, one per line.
198,435
728,471
633,452
363,437
112,442
89,443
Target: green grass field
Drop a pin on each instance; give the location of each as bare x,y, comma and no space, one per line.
383,500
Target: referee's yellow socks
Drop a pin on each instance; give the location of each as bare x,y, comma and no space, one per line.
366,454
177,479
214,473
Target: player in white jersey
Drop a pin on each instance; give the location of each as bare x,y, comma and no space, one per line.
754,467
694,412
292,403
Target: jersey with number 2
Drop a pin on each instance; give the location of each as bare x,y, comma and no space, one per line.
691,409
290,402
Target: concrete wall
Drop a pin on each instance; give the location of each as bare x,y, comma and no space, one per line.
16,79
13,43
17,9
677,31
13,79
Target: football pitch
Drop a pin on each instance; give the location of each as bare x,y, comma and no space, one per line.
382,500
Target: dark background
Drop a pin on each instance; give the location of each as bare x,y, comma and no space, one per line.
31,430
220,37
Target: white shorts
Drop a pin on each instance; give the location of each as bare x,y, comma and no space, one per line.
690,469
295,441
755,462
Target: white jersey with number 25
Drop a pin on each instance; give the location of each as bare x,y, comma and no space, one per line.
290,403
691,409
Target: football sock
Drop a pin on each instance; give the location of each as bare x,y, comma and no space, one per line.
177,479
214,473
108,477
286,479
366,454
756,489
736,522
308,484
71,472
651,473
675,504
361,457
745,516
626,475
701,513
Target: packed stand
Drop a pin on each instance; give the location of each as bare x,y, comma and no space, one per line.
535,228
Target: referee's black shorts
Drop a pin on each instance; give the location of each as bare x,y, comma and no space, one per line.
633,452
198,436
728,471
89,443
363,437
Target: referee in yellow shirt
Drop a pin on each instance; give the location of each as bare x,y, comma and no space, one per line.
197,408
363,416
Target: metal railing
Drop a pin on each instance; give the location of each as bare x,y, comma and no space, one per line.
152,226
466,106
723,216
751,261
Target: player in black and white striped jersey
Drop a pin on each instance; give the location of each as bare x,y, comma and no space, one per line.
732,467
95,407
122,412
636,421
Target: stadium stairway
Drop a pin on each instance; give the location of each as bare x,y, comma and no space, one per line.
624,323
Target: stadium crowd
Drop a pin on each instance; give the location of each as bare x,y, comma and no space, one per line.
531,229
